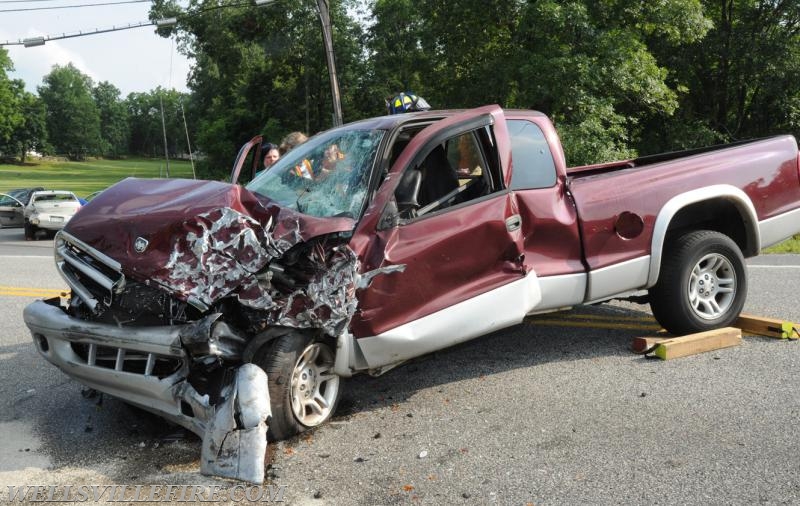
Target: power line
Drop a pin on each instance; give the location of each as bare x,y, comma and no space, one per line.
74,6
23,1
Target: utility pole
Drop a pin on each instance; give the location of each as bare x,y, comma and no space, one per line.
164,129
327,40
188,144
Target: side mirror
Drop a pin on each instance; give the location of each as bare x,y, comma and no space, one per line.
404,203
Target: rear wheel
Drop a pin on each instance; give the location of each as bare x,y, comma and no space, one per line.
303,388
702,284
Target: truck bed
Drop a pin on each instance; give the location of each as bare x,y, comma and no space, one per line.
759,179
643,161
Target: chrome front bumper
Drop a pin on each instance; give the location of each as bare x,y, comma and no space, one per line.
145,366
148,367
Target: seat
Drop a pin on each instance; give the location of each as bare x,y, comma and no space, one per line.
407,192
438,177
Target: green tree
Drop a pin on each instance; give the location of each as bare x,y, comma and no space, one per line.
73,121
587,64
144,120
10,111
590,66
113,119
31,133
740,80
398,60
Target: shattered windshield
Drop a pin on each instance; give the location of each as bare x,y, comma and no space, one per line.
326,176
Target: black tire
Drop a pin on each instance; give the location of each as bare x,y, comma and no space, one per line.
280,360
695,291
30,231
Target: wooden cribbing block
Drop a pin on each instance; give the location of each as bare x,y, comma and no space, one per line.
698,343
769,327
643,344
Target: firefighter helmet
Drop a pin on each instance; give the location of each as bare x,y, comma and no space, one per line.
406,102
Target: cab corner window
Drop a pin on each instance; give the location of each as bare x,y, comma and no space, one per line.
532,159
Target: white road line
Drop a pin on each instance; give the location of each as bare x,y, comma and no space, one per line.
27,256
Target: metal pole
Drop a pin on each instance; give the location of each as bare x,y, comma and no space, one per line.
188,144
164,129
327,40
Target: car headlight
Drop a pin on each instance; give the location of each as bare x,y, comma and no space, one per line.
34,220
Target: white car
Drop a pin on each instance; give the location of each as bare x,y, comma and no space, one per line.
49,210
12,206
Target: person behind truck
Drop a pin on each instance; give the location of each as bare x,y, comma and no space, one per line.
271,155
291,140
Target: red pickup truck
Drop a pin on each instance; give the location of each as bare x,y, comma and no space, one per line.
389,238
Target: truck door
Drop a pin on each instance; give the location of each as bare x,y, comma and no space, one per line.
450,220
10,211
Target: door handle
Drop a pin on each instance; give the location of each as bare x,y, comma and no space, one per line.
513,223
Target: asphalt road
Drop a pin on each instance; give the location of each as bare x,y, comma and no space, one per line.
554,411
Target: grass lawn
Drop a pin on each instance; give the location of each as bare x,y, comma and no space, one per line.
83,178
788,246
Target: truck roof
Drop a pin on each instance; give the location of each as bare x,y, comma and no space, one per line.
391,121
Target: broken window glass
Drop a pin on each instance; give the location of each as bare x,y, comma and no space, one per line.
326,176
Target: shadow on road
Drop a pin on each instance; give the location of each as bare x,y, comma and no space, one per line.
526,345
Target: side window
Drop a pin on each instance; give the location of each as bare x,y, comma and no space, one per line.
533,162
454,172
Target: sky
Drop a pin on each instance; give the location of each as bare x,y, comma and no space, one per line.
135,60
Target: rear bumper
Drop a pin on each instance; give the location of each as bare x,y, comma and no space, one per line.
51,223
145,366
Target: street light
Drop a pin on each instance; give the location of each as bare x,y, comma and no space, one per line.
166,22
33,41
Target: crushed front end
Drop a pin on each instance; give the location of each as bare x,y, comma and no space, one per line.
170,322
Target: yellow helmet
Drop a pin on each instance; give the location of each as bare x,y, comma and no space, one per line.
406,102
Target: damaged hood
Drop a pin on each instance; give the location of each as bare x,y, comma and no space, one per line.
171,230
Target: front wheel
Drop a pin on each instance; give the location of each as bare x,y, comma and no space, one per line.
303,388
702,284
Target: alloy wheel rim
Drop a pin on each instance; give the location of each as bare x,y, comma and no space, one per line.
712,286
314,385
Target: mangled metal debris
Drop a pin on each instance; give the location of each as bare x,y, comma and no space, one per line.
224,252
213,255
235,440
